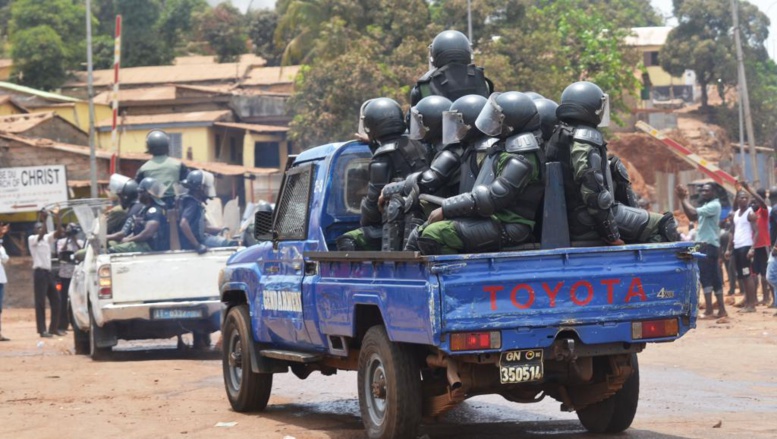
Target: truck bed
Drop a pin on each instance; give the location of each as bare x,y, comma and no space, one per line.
529,296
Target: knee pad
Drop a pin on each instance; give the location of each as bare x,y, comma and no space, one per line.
429,246
480,234
345,243
667,228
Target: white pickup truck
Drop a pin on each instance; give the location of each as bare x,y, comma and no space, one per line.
132,296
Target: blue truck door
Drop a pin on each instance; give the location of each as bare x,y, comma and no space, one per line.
284,268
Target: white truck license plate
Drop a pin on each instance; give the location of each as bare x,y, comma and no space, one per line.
521,366
175,313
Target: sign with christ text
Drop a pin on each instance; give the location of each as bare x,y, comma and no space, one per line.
30,188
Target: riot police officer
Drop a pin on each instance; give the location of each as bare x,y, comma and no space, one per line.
452,72
548,120
149,226
165,169
588,181
501,209
395,156
125,190
193,227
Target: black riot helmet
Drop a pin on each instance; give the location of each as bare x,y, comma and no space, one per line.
128,193
548,120
426,118
383,119
583,102
458,123
194,181
450,46
507,114
157,143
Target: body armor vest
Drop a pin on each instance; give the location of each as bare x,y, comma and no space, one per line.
454,81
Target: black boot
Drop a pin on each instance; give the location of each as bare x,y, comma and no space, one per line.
345,243
429,246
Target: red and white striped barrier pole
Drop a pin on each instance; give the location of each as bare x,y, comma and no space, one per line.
115,94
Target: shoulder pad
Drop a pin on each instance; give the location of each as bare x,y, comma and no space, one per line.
427,76
386,148
485,143
525,142
588,135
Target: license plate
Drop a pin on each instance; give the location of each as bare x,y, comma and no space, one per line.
176,313
521,366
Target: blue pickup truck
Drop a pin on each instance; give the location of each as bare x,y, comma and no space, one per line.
425,333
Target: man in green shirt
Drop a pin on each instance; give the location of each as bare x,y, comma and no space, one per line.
708,238
163,168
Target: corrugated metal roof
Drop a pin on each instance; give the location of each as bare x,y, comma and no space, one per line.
648,36
210,59
271,75
169,74
216,168
203,117
35,92
19,123
162,93
254,128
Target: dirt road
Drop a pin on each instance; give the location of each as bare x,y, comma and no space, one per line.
722,375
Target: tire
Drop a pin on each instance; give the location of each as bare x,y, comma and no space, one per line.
247,391
389,387
616,413
80,338
97,353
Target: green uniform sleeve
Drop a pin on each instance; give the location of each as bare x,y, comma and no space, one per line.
580,164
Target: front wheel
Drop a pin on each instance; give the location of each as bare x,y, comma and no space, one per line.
247,391
389,387
615,413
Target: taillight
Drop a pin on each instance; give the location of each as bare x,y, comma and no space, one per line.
654,329
104,282
474,341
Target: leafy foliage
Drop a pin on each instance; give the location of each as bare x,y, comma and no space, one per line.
261,31
703,42
222,27
39,57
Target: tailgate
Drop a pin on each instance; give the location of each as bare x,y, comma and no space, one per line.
569,287
175,275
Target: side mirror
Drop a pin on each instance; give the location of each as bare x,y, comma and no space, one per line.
263,226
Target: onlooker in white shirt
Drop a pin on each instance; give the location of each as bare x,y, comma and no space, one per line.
40,245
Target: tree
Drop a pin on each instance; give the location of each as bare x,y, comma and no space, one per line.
261,31
39,58
223,28
64,17
142,44
703,42
177,23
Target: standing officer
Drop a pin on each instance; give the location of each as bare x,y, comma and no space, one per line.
453,74
163,168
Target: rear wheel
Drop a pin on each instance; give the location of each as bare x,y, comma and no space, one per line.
247,391
615,413
389,387
96,352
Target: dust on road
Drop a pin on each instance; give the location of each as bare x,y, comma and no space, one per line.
717,374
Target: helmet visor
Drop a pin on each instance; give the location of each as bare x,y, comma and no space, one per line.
491,119
453,127
116,183
417,129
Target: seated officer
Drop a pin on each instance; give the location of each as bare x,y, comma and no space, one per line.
500,211
149,225
193,227
394,157
125,191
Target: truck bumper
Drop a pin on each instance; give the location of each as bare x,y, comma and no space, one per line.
162,310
